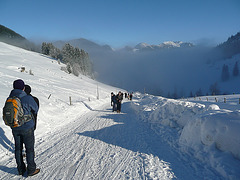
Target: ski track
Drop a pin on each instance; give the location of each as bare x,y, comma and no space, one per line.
101,144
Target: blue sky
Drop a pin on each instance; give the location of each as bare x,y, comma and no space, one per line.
123,22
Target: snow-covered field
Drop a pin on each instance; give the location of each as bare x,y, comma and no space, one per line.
153,137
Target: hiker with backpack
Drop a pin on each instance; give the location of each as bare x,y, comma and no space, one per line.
17,115
119,98
28,90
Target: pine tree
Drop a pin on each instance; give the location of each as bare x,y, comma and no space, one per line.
225,73
191,94
214,89
199,92
235,69
45,49
51,50
67,53
69,68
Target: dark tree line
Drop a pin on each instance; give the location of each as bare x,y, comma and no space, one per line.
226,74
231,46
77,60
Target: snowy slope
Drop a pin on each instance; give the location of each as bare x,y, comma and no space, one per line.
154,137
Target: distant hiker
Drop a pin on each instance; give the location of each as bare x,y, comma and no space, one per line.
131,95
112,94
23,134
114,101
119,99
27,90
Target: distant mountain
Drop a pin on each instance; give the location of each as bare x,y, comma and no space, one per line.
7,34
92,47
87,45
231,47
11,37
164,45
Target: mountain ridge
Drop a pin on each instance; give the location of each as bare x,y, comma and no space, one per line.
9,36
229,47
164,45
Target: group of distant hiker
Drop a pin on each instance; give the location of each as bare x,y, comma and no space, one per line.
116,100
20,113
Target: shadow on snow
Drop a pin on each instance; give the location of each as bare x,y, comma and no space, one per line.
137,136
5,142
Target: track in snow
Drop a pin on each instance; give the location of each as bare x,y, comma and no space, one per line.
101,144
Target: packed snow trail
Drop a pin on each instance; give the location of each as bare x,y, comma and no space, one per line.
101,144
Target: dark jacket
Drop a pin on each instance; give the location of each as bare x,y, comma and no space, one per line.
33,113
114,98
119,98
28,105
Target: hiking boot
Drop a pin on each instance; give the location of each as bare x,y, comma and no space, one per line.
35,172
22,172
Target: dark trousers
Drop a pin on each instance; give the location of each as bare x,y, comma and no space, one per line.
114,106
119,106
25,137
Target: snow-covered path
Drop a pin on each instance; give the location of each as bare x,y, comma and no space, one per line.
100,144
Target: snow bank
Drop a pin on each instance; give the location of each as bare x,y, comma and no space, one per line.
222,129
167,111
204,128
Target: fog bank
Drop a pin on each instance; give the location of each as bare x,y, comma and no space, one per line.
164,72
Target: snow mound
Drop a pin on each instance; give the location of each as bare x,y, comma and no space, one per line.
205,129
213,107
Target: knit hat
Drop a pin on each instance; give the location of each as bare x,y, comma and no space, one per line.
27,89
18,84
